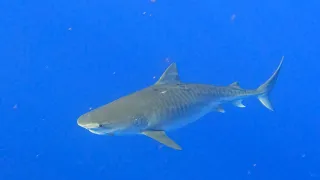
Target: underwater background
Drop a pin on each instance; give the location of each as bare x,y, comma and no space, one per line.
59,59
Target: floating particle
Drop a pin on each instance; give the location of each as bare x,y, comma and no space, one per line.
254,165
114,73
233,17
249,172
15,106
69,29
154,77
144,13
90,108
303,155
153,1
167,60
314,174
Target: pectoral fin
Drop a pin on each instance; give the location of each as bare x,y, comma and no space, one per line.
161,137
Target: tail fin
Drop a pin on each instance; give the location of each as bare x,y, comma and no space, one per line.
265,89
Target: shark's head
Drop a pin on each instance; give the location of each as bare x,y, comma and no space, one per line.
109,120
88,122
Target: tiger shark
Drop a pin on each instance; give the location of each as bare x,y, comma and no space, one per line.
169,104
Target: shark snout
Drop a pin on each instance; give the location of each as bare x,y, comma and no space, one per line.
89,125
85,123
93,127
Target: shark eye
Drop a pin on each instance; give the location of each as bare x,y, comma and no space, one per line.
100,125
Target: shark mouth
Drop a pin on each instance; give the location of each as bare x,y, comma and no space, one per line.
95,131
101,130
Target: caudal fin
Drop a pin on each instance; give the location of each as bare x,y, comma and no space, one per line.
265,89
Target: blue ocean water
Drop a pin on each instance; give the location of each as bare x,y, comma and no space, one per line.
60,58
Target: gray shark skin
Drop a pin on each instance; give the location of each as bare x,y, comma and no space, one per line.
169,104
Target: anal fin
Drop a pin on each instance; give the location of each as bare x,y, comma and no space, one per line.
238,103
161,137
220,109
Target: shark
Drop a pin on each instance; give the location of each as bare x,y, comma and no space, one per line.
169,104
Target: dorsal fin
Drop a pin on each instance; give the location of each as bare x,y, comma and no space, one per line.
169,76
235,85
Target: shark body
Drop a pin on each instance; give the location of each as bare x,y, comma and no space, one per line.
169,104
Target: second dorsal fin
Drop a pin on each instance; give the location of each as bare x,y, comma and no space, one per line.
235,85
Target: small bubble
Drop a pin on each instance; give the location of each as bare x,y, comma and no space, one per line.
154,77
153,1
15,106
